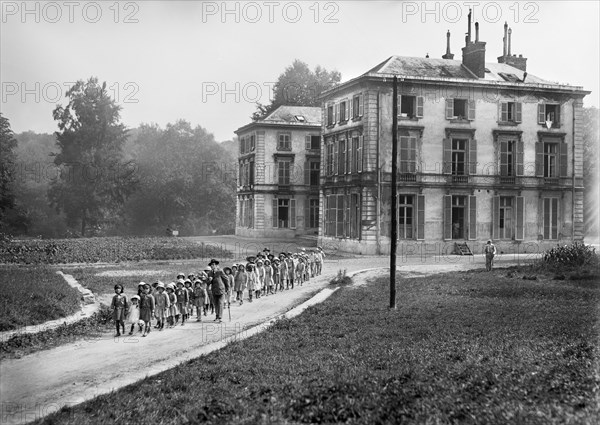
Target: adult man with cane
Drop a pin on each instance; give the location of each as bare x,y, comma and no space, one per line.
219,286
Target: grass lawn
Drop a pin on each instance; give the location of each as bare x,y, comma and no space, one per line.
33,295
474,347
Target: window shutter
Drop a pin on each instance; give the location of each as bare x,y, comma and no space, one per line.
252,142
404,154
503,111
420,219
558,114
276,172
518,112
351,106
420,103
519,158
539,159
447,217
447,163
471,111
503,158
325,216
348,109
519,230
337,112
307,142
292,213
359,153
473,157
472,217
336,161
307,173
563,159
412,155
360,105
347,216
495,217
275,219
449,108
399,100
541,113
251,172
307,223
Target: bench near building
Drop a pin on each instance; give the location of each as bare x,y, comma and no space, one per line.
486,150
278,182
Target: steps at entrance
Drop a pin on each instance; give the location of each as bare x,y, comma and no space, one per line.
462,249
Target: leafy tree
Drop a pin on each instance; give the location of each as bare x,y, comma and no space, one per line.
300,86
187,181
7,165
94,181
591,145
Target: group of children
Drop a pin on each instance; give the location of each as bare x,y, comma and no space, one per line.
262,274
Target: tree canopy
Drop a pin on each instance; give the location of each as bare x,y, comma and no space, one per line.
299,86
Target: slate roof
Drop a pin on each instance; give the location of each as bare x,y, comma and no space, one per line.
288,114
447,68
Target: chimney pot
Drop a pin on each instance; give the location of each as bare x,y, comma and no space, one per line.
509,36
469,26
476,32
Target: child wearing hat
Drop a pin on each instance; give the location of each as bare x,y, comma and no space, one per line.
252,279
268,277
147,306
229,274
182,301
240,283
133,315
199,298
260,278
162,305
118,305
190,303
172,311
275,267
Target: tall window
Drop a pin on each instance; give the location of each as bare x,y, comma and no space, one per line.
315,167
313,213
550,218
405,216
549,113
313,142
284,142
343,110
507,158
510,112
355,215
284,213
459,155
550,159
462,109
357,149
283,172
330,117
329,158
458,217
506,218
357,106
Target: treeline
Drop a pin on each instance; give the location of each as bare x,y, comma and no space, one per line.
181,178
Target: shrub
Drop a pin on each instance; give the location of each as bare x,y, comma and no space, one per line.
341,278
576,255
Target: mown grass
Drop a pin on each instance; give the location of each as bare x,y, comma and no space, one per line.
33,295
461,348
90,329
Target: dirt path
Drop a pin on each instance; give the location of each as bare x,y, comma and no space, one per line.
40,383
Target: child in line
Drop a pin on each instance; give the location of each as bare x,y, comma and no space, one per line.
190,296
229,274
252,280
147,306
268,278
173,304
199,298
118,305
182,300
162,306
240,284
133,315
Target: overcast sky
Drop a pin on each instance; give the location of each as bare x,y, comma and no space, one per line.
208,62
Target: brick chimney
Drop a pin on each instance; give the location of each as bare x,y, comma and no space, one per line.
448,55
473,54
518,62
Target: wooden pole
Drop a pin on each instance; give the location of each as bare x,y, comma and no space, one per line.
394,202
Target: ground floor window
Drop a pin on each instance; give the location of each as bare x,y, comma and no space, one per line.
405,216
284,213
342,215
313,213
550,218
246,213
505,218
460,217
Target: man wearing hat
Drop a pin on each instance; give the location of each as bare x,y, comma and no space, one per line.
219,284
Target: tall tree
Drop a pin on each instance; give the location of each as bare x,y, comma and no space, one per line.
94,181
8,145
300,86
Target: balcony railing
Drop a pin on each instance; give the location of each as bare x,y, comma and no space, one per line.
460,179
407,177
507,180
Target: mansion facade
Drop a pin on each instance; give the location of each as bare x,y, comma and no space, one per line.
485,151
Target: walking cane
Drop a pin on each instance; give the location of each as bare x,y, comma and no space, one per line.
229,309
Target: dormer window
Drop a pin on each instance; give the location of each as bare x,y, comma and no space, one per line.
300,118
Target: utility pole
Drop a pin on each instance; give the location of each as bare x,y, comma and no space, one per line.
394,195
